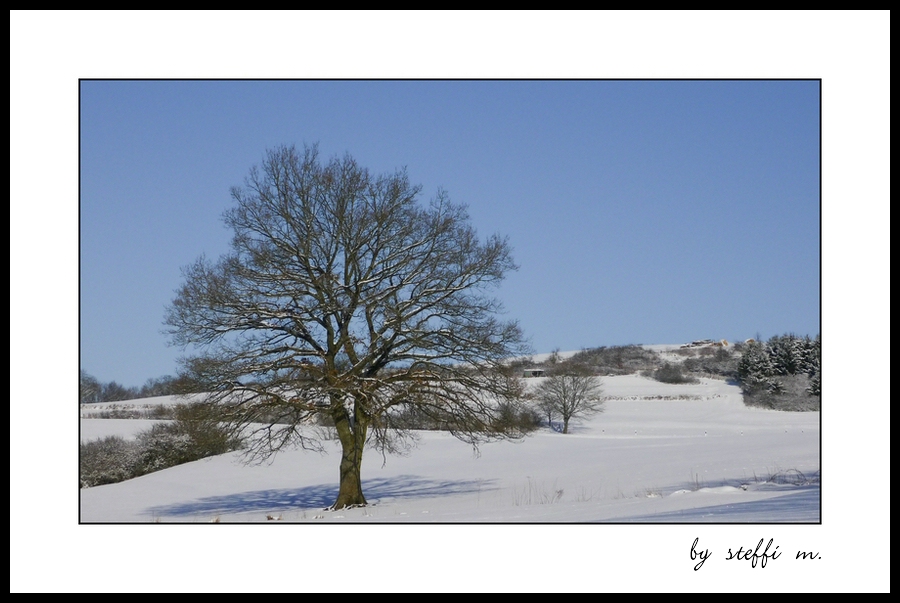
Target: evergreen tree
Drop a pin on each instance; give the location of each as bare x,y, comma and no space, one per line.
755,369
787,354
815,384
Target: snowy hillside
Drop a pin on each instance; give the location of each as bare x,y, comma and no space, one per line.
657,453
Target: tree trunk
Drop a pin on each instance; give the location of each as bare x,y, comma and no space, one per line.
566,425
352,436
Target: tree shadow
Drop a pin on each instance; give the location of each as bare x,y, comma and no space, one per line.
319,496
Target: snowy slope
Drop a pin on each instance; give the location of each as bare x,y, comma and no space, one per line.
658,452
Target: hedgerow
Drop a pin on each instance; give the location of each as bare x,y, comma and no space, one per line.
191,436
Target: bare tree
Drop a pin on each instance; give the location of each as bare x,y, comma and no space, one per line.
345,299
88,388
569,395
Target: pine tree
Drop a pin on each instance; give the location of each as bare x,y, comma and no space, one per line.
787,354
815,384
755,369
812,353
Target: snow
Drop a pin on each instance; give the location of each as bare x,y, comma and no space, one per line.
657,453
615,505
95,429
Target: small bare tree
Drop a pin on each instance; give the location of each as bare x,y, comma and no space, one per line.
569,396
345,299
88,388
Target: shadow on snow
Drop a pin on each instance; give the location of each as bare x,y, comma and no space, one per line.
319,497
799,506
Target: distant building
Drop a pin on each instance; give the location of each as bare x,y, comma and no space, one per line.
533,372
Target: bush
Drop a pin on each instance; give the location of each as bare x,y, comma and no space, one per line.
512,418
672,373
613,360
163,446
719,362
161,411
193,435
788,393
107,461
414,416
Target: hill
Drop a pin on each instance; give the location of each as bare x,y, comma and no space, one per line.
658,453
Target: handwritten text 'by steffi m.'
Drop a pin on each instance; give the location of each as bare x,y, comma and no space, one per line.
757,556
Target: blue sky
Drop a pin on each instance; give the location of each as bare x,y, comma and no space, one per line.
639,211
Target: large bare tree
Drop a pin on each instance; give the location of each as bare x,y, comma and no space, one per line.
344,297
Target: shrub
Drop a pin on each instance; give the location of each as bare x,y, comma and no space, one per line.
719,362
690,352
193,435
163,446
414,416
672,373
161,411
613,360
510,417
787,392
107,461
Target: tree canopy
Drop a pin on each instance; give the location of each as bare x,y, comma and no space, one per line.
343,300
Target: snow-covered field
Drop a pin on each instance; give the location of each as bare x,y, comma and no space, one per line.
628,502
658,453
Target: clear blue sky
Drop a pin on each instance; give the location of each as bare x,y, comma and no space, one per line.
639,211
